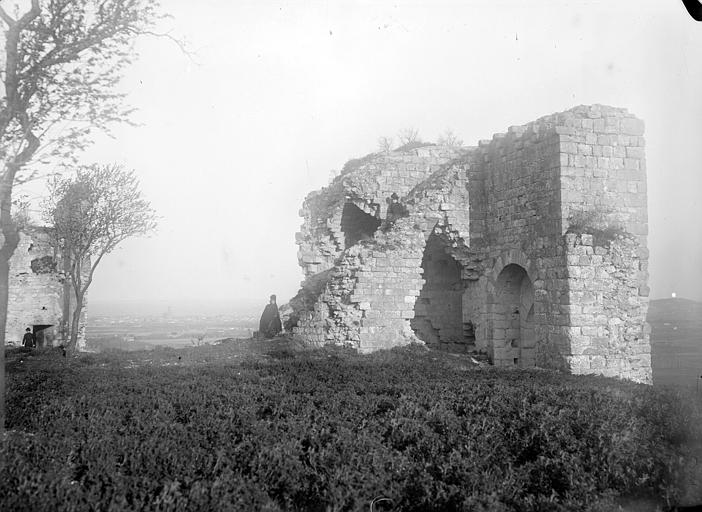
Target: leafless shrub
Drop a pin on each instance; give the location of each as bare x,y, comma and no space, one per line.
385,144
450,139
408,136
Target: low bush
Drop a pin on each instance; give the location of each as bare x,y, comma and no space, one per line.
330,430
601,224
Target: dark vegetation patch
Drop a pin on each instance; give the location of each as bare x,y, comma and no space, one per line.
263,426
598,224
356,163
321,204
43,265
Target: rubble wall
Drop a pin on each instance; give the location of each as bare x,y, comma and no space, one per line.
441,209
368,187
368,297
603,181
392,279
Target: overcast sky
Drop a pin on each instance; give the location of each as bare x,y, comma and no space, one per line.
279,94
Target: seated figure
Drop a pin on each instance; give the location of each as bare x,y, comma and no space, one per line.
396,210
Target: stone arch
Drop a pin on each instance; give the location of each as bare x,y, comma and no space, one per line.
357,225
438,310
511,316
516,257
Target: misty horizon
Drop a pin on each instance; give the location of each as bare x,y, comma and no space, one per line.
175,307
201,307
275,97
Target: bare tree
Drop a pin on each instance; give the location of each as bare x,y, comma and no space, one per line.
448,138
385,144
91,214
60,64
408,136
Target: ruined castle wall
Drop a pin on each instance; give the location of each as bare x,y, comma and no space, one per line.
608,333
604,211
442,208
324,305
393,281
603,168
396,172
530,247
521,230
322,239
438,310
387,287
372,287
36,291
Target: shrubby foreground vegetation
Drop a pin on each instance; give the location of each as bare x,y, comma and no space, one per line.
257,426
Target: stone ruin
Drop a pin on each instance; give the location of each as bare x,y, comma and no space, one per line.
40,295
529,249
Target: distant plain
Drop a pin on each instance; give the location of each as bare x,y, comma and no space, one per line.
676,330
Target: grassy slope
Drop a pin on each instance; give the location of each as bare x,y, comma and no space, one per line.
258,425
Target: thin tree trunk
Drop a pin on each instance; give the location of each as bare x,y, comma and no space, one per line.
13,109
4,289
9,244
75,322
67,289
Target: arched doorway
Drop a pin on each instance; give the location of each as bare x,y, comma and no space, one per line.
357,225
44,335
438,311
513,339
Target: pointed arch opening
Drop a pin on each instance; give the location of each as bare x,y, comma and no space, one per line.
438,312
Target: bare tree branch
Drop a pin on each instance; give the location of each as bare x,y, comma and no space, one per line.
385,144
9,20
408,136
181,44
450,139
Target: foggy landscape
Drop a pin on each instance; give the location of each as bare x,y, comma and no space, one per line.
272,98
350,255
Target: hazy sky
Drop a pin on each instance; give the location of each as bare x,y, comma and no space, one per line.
278,94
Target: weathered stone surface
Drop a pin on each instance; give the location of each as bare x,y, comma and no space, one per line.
36,292
530,247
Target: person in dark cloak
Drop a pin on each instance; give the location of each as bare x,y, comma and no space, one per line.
29,340
396,210
270,325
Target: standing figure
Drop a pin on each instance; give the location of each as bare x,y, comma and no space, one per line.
29,340
270,325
